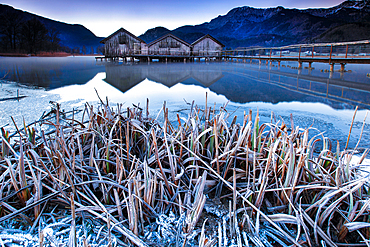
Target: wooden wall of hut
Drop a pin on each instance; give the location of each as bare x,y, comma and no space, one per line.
169,45
122,44
206,47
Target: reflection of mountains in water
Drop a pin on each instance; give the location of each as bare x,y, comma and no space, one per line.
244,84
125,77
49,73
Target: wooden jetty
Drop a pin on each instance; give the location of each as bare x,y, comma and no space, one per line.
123,45
330,53
331,61
161,58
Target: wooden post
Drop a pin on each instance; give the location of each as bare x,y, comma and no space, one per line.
332,67
342,67
313,50
270,55
327,88
299,58
346,50
281,51
331,51
310,65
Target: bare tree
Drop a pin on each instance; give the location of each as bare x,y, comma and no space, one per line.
84,50
53,39
34,35
10,26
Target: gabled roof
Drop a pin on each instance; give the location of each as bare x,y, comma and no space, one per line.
166,36
121,30
207,36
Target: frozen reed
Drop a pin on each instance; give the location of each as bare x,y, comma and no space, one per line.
118,177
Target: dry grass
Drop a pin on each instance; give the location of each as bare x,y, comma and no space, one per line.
128,180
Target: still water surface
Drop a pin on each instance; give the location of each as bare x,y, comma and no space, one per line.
313,97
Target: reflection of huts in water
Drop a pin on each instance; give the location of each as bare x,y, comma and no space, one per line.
169,45
123,43
207,46
124,77
207,76
168,75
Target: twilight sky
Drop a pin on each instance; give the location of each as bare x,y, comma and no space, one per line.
104,17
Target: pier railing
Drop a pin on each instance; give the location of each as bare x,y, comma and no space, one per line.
339,49
357,52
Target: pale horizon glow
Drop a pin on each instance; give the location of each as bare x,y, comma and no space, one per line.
105,17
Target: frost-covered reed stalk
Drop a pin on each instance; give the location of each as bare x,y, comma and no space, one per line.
122,177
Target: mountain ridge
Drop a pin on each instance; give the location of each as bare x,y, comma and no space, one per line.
243,26
247,26
71,35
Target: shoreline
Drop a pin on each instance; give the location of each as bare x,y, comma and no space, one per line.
47,54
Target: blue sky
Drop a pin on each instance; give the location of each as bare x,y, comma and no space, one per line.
104,17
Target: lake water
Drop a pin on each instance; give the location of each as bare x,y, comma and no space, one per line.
313,97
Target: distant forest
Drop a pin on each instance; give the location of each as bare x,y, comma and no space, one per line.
31,36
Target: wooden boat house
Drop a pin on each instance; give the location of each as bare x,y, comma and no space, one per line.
207,46
123,44
169,45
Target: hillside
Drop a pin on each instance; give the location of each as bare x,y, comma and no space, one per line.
240,27
346,32
70,35
247,26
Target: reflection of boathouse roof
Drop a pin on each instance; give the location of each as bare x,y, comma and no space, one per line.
124,77
121,30
168,75
207,78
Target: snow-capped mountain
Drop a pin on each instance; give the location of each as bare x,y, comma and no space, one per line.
247,26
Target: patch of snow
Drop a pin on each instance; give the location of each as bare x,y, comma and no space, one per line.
363,167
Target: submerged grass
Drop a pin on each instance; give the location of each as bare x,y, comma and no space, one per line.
120,177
